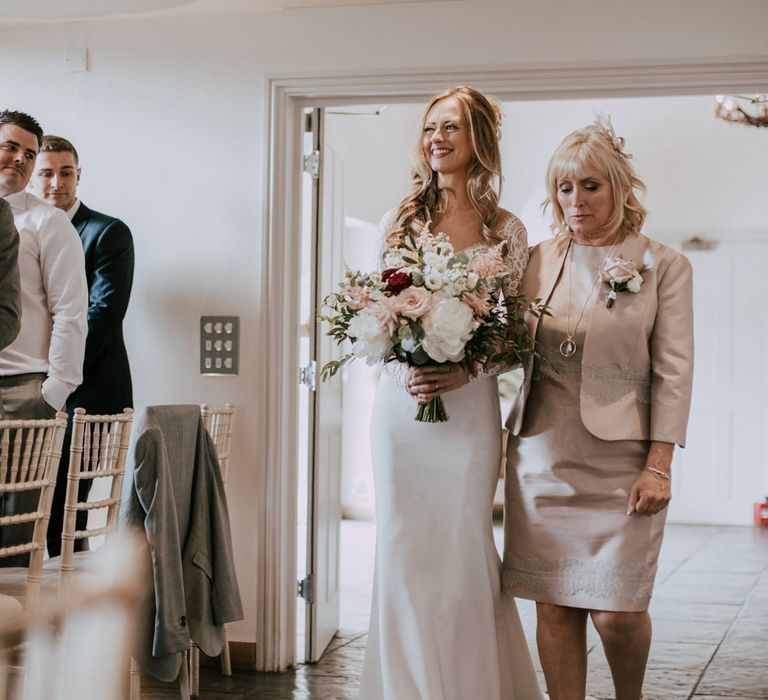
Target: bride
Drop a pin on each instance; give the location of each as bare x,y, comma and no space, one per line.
440,627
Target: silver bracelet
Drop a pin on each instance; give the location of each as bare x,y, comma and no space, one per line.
659,473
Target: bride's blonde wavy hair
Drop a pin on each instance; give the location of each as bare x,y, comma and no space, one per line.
482,115
597,148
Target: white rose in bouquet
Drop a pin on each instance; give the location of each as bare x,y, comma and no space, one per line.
370,339
435,261
394,258
447,329
433,280
455,282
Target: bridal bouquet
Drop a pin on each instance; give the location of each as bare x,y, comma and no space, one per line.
428,306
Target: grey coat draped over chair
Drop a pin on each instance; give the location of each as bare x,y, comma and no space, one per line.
173,490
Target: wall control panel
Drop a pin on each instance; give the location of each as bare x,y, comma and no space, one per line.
219,344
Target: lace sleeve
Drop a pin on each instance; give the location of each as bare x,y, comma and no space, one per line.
513,233
386,224
396,371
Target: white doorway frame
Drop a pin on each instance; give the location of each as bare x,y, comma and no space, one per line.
286,97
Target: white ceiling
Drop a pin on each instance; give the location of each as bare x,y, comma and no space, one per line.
13,11
46,11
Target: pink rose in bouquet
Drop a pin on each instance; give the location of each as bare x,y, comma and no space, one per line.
356,297
413,302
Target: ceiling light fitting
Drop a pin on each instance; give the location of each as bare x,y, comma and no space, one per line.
756,114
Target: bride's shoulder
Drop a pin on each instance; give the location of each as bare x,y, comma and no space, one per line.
388,221
509,226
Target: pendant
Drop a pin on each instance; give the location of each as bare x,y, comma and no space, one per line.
568,347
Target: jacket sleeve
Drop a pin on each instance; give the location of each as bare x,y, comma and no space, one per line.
10,303
110,287
671,349
225,596
154,496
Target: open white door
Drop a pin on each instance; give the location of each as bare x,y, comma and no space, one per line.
724,468
321,588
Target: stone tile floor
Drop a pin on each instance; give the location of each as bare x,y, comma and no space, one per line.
710,613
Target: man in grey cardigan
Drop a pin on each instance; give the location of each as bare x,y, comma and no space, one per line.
10,304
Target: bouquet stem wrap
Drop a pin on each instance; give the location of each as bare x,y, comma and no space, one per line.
432,412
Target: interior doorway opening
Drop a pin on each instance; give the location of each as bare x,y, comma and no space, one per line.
696,156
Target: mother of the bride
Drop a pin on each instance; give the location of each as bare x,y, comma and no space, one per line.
596,423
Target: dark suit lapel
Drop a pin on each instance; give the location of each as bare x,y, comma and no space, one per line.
81,218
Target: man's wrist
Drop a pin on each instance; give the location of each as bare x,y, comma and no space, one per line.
55,393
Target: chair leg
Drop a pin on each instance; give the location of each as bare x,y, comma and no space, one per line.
194,669
184,676
226,660
135,680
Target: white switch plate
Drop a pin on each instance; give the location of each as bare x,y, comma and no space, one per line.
76,60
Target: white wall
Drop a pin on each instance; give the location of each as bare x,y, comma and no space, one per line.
703,175
170,125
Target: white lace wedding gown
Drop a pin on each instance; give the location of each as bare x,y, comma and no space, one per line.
441,629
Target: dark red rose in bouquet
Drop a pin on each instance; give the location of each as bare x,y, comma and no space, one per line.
396,281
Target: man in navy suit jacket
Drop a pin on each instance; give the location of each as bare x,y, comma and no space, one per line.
108,248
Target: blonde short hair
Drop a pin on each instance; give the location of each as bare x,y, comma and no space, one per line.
597,149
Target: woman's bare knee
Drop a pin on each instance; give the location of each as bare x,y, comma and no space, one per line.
621,625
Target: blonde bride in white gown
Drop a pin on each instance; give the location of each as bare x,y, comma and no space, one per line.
441,629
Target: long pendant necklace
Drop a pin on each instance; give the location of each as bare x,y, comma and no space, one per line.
568,347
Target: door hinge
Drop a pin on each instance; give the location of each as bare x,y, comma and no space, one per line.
311,164
306,589
308,375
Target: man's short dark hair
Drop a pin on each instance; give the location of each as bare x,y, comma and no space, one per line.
57,144
23,121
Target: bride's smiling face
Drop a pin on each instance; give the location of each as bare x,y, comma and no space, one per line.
446,138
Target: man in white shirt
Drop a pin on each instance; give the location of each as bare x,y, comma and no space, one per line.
10,294
40,369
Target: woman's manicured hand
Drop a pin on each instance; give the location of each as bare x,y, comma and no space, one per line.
427,383
651,492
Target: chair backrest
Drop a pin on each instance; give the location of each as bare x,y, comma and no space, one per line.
218,423
98,450
30,451
78,646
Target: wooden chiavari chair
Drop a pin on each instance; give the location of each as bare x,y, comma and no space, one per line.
30,451
97,453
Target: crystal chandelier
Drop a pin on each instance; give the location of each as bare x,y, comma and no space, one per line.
756,114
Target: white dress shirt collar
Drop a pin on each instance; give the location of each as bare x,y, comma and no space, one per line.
18,200
73,209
